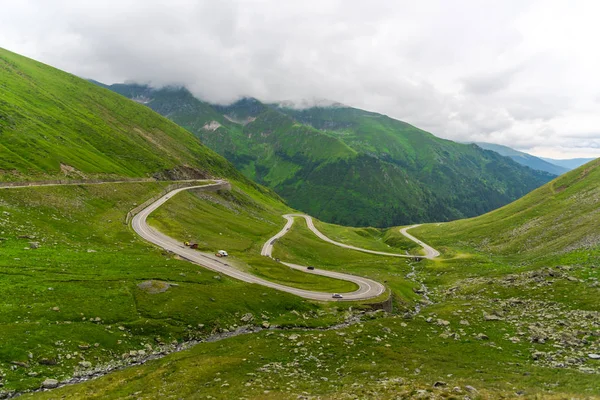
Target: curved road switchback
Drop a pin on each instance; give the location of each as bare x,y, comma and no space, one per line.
430,252
267,249
367,288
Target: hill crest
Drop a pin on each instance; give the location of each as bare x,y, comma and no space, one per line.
54,124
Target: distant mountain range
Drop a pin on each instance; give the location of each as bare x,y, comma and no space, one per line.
347,165
525,159
569,164
556,167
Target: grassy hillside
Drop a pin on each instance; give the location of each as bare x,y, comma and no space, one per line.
512,308
488,322
53,124
80,291
345,165
557,218
79,294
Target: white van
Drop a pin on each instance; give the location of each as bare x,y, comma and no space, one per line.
222,253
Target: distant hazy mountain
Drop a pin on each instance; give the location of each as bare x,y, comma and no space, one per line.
569,164
525,159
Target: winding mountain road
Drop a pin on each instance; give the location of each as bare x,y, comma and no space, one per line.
367,288
267,249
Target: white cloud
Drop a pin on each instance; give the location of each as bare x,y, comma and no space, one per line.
518,73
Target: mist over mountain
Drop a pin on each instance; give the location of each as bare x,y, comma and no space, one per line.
347,165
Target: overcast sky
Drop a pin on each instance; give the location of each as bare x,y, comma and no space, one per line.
519,73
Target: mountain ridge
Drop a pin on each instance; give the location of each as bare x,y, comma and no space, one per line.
510,308
346,165
570,163
524,158
56,125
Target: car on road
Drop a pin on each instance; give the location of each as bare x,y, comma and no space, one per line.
337,296
310,267
221,253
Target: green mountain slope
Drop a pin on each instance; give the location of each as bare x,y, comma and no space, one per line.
453,180
346,165
523,158
54,124
494,320
512,307
78,288
557,218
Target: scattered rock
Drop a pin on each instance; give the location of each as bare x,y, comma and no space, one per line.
491,317
20,364
154,287
34,245
50,384
85,364
594,356
247,317
470,389
439,384
537,355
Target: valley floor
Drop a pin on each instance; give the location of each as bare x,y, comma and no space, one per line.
90,295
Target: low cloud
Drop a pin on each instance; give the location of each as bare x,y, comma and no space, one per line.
462,70
488,83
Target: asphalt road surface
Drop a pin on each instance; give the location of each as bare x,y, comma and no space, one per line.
21,185
267,249
367,288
